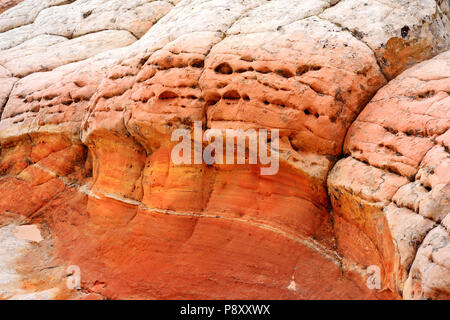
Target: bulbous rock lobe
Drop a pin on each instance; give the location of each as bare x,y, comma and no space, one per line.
397,195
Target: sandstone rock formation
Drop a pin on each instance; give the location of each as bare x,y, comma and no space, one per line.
401,33
6,4
393,189
89,102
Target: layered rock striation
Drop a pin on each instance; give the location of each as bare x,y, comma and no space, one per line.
92,90
393,188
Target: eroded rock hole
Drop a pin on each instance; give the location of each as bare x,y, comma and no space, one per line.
232,95
404,31
212,99
224,68
87,14
426,94
284,73
198,63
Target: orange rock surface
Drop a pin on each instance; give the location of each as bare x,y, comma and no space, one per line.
86,152
392,189
6,4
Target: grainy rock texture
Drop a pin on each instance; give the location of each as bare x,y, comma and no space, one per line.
393,189
6,4
401,33
91,91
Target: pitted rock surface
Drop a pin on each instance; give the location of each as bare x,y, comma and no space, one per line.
398,155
